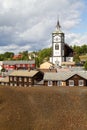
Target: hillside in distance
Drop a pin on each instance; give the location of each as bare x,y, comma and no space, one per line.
43,108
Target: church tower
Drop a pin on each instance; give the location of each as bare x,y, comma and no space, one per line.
57,46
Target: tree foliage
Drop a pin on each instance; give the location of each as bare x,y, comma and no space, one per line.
6,56
85,65
78,51
44,55
24,55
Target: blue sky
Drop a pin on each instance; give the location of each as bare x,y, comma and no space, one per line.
28,24
82,27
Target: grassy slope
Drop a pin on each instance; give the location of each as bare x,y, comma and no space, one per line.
43,108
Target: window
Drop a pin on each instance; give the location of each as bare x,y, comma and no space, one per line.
81,82
25,85
11,84
71,82
19,85
29,79
50,83
59,83
25,79
15,84
2,83
20,79
56,46
10,78
14,78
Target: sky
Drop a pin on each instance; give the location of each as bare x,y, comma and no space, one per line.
27,25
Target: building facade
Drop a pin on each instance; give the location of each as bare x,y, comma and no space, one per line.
22,78
18,64
65,79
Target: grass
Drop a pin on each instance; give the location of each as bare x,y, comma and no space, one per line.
43,108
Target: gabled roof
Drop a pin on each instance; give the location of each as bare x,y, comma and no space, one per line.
24,73
83,74
63,75
46,65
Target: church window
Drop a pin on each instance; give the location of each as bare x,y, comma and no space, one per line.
56,46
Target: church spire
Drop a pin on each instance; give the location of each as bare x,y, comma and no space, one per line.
58,25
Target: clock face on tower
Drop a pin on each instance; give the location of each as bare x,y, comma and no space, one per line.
57,38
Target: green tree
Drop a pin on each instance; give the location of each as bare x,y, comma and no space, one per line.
44,55
24,55
85,65
8,55
84,49
37,62
76,58
1,57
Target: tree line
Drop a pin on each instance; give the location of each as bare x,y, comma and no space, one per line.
44,54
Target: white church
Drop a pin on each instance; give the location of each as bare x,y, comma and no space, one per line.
61,52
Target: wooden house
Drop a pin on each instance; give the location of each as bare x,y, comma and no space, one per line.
4,81
65,79
18,64
22,78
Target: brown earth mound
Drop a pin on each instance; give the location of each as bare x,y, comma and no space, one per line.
41,108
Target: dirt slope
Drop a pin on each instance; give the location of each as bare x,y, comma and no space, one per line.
41,108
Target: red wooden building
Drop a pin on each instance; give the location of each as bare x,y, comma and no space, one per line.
15,65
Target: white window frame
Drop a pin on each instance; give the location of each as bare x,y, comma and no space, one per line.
81,82
20,78
11,84
15,78
2,83
25,85
50,83
15,84
30,80
20,85
59,83
10,78
6,84
25,79
71,83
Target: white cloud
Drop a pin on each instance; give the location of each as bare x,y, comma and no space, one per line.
76,39
28,24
